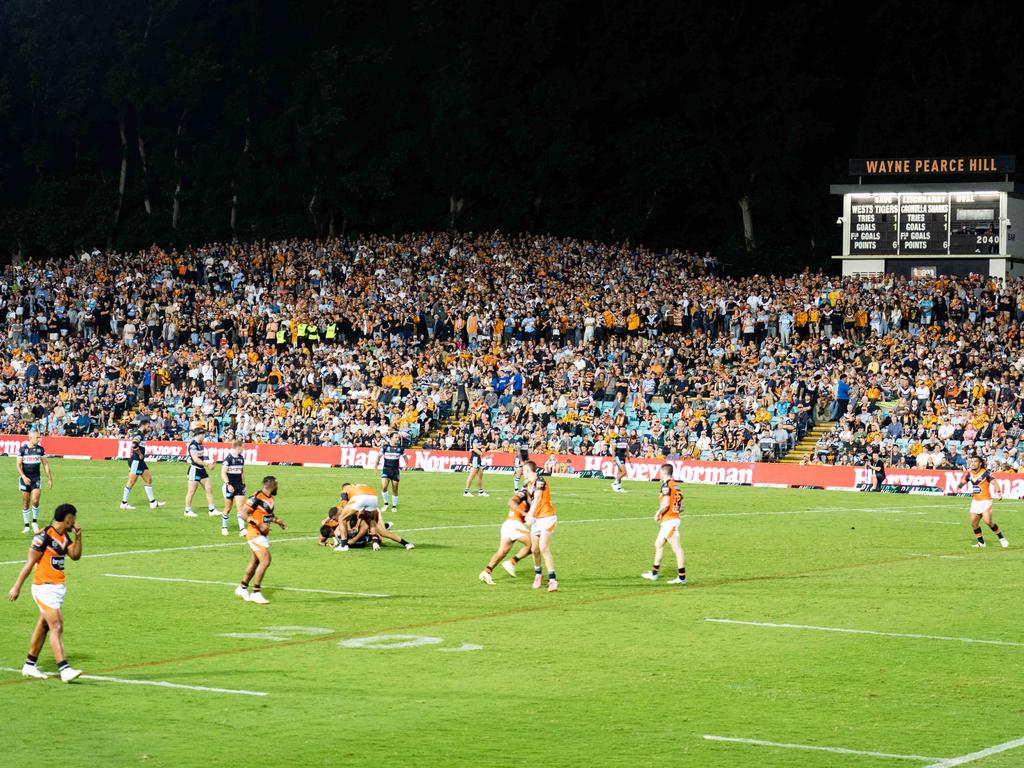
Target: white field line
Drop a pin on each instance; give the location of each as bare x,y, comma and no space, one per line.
938,522
835,750
980,754
159,684
844,630
221,545
235,584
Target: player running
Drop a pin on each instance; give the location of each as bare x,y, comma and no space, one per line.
391,462
542,521
981,486
198,475
137,467
512,530
621,447
521,451
667,517
46,554
232,477
259,514
359,502
30,460
476,464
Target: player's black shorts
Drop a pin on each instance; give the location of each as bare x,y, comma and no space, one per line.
361,543
475,462
231,490
391,473
620,461
34,484
197,473
137,467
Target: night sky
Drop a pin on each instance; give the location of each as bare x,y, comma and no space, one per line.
177,121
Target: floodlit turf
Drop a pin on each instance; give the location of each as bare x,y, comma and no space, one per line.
610,671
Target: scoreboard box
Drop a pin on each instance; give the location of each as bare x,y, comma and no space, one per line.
922,229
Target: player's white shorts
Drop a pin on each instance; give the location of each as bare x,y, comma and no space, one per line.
259,543
512,530
668,529
364,502
542,524
980,507
49,597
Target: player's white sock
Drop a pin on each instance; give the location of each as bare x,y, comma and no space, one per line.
385,498
35,514
241,523
224,522
149,494
515,484
188,508
211,509
124,496
24,515
394,502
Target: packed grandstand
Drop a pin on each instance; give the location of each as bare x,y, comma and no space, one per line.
559,343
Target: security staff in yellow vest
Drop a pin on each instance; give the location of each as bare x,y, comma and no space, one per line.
312,335
331,333
281,339
300,334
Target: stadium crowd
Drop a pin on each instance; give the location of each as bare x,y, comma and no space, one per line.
560,343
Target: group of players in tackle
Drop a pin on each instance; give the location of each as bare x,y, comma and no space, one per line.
355,522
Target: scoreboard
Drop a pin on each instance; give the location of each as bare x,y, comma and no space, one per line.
924,223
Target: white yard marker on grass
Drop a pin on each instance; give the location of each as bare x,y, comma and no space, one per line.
159,684
835,750
979,755
235,584
845,630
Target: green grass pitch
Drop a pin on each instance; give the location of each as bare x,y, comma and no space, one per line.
609,671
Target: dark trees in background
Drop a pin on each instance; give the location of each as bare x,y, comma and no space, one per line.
678,124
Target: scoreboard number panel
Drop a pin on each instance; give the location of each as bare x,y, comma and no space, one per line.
926,224
873,222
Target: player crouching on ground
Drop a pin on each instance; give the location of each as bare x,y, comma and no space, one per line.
667,518
359,503
352,533
259,514
512,530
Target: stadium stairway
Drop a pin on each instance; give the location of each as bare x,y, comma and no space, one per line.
441,428
805,447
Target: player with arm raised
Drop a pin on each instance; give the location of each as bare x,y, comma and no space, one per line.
137,467
46,555
30,460
670,508
512,530
199,465
542,521
981,486
259,515
232,476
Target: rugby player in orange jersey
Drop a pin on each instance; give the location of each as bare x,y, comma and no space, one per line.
542,521
259,514
981,485
46,554
360,501
512,530
667,517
